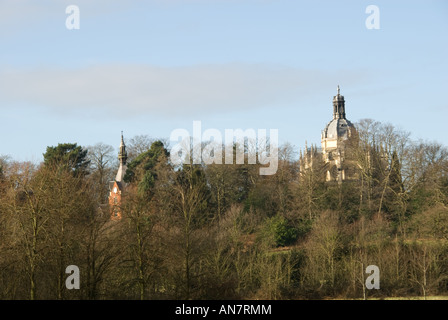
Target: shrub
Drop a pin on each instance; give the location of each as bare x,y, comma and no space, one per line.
279,232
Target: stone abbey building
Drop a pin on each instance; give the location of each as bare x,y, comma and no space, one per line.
333,157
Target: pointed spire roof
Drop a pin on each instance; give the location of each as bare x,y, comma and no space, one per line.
122,140
122,156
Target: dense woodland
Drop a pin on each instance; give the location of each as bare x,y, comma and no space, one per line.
225,231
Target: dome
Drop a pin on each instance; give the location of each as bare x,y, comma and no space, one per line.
337,129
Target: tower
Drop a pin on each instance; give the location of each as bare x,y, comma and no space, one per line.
116,187
334,140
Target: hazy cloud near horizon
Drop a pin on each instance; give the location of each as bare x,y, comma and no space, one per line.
165,91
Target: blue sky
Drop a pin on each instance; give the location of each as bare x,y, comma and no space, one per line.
149,67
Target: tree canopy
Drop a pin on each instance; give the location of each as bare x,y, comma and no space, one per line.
223,231
67,156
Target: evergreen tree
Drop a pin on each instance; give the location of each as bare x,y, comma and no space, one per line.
67,156
141,170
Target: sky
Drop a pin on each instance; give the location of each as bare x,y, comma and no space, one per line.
150,67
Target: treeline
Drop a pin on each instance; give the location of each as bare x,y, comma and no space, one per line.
224,231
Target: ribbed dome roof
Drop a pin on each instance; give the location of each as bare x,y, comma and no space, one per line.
337,129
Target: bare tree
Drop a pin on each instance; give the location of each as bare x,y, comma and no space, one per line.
24,205
311,182
137,145
322,246
102,162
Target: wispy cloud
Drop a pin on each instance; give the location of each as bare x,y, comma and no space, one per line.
164,91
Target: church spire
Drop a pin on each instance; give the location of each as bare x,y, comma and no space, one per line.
338,106
122,154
